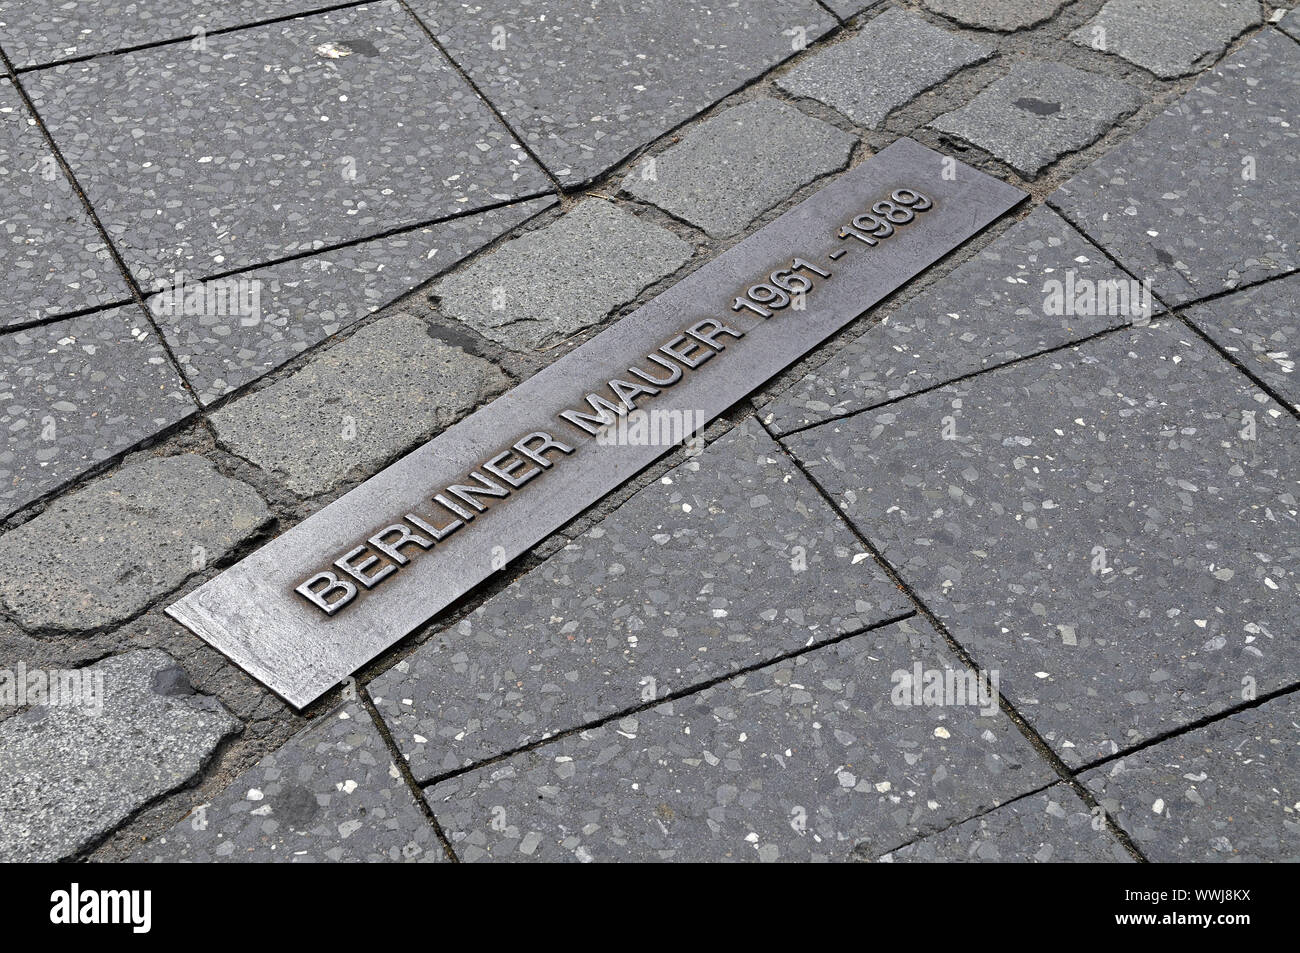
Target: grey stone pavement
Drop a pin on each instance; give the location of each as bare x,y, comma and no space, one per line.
256,251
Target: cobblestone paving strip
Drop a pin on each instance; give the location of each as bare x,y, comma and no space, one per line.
1259,327
1053,827
1113,528
35,32
1167,37
302,302
886,64
737,165
74,771
586,89
551,283
1202,199
801,760
1039,112
332,793
77,392
328,420
730,560
277,140
122,542
53,259
1032,289
1229,791
1290,24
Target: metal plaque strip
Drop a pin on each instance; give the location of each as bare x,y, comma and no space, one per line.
330,594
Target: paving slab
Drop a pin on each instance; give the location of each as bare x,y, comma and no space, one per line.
1203,199
889,62
302,302
1224,792
797,761
1003,15
277,140
1259,327
1171,38
77,771
1111,527
357,405
1053,827
587,87
551,283
105,552
77,392
1039,112
1031,289
34,32
730,560
732,168
53,258
331,794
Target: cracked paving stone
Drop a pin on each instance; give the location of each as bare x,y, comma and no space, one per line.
277,140
586,87
731,169
1204,199
1259,327
53,258
728,561
799,760
356,406
81,769
1168,37
105,552
331,794
1003,15
35,31
77,392
551,283
1224,792
885,65
1053,827
1039,112
1112,527
300,303
1031,289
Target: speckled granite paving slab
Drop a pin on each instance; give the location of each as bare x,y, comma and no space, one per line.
848,8
586,88
800,760
331,793
1029,290
1204,198
1225,792
38,31
75,393
730,560
53,259
1005,15
277,140
1261,328
1055,826
1113,528
304,301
